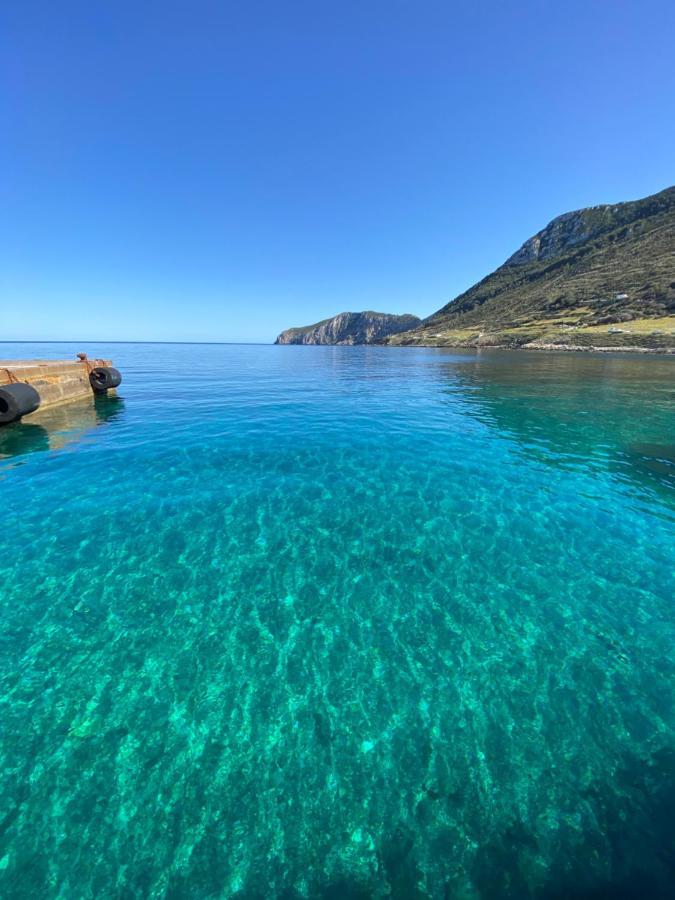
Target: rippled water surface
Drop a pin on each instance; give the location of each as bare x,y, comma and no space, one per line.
341,622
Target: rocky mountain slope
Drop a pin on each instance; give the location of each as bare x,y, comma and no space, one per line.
349,328
602,276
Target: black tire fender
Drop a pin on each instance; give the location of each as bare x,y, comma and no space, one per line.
17,400
101,378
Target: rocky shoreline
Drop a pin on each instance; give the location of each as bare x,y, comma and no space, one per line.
546,348
593,349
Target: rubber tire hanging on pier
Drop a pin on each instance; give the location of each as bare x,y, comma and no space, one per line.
102,378
17,400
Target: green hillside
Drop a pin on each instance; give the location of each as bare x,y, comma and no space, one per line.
603,276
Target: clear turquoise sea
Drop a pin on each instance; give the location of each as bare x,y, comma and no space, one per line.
306,622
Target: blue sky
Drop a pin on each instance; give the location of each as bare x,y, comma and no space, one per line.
223,170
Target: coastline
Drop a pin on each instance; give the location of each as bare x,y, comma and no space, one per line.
546,348
575,348
540,348
643,337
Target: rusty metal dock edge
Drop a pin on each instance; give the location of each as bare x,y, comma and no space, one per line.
56,381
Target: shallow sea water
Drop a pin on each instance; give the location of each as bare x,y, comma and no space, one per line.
341,622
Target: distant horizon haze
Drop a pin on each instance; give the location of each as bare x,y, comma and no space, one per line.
216,173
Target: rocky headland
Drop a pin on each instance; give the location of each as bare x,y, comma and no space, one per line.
350,328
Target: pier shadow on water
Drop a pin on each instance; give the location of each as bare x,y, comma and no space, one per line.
58,427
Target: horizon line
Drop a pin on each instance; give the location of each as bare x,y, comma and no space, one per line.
103,341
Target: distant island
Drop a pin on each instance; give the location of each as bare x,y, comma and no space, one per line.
350,328
601,277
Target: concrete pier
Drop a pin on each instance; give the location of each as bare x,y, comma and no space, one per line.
56,381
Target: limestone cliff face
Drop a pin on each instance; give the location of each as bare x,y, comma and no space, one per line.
349,328
558,236
572,229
